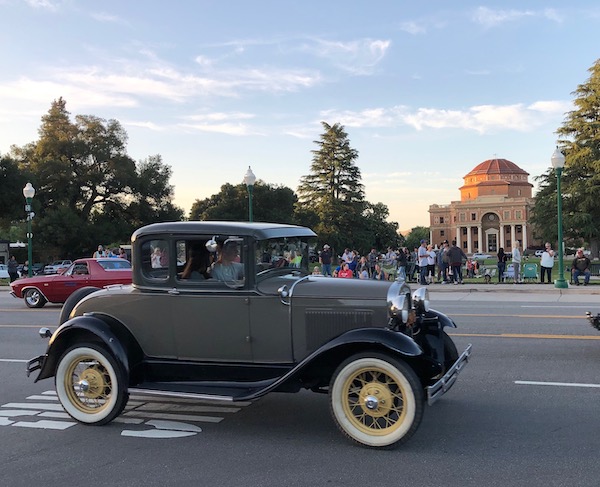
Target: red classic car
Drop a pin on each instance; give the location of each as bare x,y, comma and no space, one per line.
56,288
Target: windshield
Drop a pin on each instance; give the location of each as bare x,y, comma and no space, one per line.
282,252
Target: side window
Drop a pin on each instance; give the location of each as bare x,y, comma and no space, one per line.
155,259
80,270
194,261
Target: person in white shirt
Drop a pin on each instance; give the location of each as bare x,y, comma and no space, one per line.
516,258
546,263
423,254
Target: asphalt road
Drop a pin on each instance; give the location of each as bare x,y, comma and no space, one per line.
524,412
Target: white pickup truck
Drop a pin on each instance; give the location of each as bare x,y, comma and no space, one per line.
57,266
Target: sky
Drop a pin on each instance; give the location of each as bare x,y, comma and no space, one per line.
425,90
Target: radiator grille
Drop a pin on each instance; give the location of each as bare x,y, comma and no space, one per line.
323,325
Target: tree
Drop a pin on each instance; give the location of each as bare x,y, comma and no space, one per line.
414,237
579,140
333,189
270,203
12,202
88,189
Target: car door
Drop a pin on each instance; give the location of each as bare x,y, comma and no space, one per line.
209,319
65,284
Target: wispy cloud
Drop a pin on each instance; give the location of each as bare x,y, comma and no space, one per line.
109,18
357,57
43,4
480,119
412,27
493,17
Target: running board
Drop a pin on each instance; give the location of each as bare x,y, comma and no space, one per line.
190,395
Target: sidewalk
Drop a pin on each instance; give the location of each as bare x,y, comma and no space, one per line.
508,288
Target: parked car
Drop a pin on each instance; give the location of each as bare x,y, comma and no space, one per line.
57,266
218,310
38,290
479,256
4,271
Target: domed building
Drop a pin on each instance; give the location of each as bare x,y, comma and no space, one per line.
494,206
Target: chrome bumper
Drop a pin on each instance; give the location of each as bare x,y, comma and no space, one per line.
35,363
437,390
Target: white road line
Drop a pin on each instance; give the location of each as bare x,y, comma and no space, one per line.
174,417
5,422
157,434
173,425
556,384
43,398
49,393
18,412
45,424
15,360
52,414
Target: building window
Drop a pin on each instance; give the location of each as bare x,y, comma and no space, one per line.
462,217
507,215
441,219
464,245
473,216
464,230
519,229
442,233
474,231
518,214
507,230
436,220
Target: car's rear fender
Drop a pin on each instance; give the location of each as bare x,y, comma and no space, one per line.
91,328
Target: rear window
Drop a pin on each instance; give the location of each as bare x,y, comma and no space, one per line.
114,265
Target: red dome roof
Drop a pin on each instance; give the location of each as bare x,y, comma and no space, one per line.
497,166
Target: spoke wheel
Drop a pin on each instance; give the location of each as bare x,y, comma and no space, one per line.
34,299
376,401
90,384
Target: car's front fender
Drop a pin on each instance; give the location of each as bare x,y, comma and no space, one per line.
78,329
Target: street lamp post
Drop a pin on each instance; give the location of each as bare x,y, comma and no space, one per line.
29,193
249,180
558,163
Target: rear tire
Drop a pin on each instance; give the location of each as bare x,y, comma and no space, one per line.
72,300
376,400
90,384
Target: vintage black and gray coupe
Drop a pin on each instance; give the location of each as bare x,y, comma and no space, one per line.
229,312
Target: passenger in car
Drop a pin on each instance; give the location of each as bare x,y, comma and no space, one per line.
226,268
197,265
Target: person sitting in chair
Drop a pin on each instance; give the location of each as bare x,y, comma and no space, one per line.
581,265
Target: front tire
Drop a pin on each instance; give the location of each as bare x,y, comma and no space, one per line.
375,400
90,385
34,298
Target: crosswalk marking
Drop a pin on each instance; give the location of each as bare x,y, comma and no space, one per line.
145,416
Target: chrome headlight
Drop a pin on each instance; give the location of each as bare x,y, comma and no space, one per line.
399,302
421,300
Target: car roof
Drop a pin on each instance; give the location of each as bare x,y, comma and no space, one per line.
259,231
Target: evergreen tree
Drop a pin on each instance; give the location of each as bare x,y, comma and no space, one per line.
579,140
333,189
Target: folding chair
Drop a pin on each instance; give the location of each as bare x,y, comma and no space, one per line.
530,272
509,273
